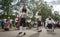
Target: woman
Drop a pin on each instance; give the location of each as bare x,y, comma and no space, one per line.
7,25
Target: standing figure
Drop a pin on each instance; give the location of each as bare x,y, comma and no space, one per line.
2,24
39,22
23,14
38,18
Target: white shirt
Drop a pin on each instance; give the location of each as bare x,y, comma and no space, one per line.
38,17
49,21
27,13
20,11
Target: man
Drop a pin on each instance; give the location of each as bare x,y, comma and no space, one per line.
49,24
2,23
38,18
23,14
39,22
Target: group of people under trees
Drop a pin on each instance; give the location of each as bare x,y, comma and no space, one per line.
20,21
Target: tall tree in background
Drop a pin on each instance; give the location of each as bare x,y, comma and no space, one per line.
5,6
43,8
46,11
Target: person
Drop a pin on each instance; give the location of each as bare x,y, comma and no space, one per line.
17,22
56,23
38,18
23,14
29,23
2,24
50,24
7,25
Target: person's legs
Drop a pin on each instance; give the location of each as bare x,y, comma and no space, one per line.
10,25
39,26
20,30
39,29
24,30
2,26
20,27
29,25
24,25
50,27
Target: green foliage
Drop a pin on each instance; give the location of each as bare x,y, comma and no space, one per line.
6,5
44,9
4,16
45,12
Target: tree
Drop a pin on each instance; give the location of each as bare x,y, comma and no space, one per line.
5,6
34,5
56,15
43,8
46,11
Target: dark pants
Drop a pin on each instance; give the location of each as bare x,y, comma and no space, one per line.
2,26
39,23
49,26
10,25
23,22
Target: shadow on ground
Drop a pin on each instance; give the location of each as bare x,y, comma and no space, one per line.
35,35
51,33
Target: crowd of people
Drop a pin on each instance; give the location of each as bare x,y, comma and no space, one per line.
21,22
